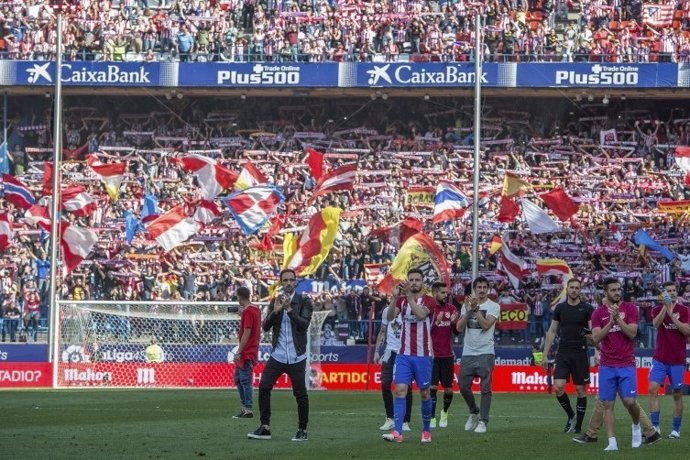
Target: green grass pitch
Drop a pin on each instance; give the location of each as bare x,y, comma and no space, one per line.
172,424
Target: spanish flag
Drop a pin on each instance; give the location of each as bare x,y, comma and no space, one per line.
111,174
673,207
419,251
495,245
306,253
512,184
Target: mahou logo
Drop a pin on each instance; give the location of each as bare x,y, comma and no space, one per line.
87,375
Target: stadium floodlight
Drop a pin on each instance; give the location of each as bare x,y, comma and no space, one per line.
605,100
373,96
590,98
384,96
180,95
426,97
578,97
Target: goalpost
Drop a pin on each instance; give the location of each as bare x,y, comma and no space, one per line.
163,344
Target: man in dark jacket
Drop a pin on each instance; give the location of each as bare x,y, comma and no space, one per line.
288,318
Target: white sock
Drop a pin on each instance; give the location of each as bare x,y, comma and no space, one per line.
613,442
637,428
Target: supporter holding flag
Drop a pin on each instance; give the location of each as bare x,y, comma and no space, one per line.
212,177
17,193
250,176
206,211
173,228
4,159
315,162
336,180
111,174
683,161
305,254
560,203
6,232
76,243
77,201
252,207
449,203
149,209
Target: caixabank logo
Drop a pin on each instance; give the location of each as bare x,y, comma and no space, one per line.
95,73
600,75
431,75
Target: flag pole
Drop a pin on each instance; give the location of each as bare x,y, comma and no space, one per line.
477,141
55,233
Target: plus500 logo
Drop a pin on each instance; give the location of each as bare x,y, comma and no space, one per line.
261,75
600,75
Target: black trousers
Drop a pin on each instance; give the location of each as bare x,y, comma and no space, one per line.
270,376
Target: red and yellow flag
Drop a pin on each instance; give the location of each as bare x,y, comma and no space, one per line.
673,207
495,245
421,196
512,184
111,174
306,253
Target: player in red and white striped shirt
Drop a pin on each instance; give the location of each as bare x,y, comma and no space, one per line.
414,359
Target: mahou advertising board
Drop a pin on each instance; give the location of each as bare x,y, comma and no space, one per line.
355,377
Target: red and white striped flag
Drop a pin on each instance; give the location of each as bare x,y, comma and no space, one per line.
375,272
38,215
6,232
206,212
336,180
512,265
78,202
683,162
76,243
657,15
212,177
111,174
173,228
249,177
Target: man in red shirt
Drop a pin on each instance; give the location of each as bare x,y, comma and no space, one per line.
247,351
443,370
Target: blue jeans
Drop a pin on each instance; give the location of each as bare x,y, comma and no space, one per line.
244,377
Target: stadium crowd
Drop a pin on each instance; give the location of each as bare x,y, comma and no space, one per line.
349,30
615,160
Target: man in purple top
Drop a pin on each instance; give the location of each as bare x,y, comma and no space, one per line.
671,320
614,327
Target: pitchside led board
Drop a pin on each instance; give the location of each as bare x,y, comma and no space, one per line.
298,75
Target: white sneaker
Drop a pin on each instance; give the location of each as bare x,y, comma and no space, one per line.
636,436
388,425
472,422
481,427
443,421
674,435
432,422
657,429
406,427
611,447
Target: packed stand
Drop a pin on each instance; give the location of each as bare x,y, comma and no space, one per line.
617,182
360,31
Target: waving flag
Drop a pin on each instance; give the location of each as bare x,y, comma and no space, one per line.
48,178
495,245
419,251
38,215
560,203
508,210
398,233
374,273
421,196
336,180
315,162
17,193
149,209
657,15
306,253
206,212
132,226
449,203
173,228
643,238
212,177
512,184
683,162
558,267
78,202
537,219
76,243
6,232
673,207
249,177
512,265
111,174
252,207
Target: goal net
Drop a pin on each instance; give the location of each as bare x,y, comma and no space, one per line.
157,345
